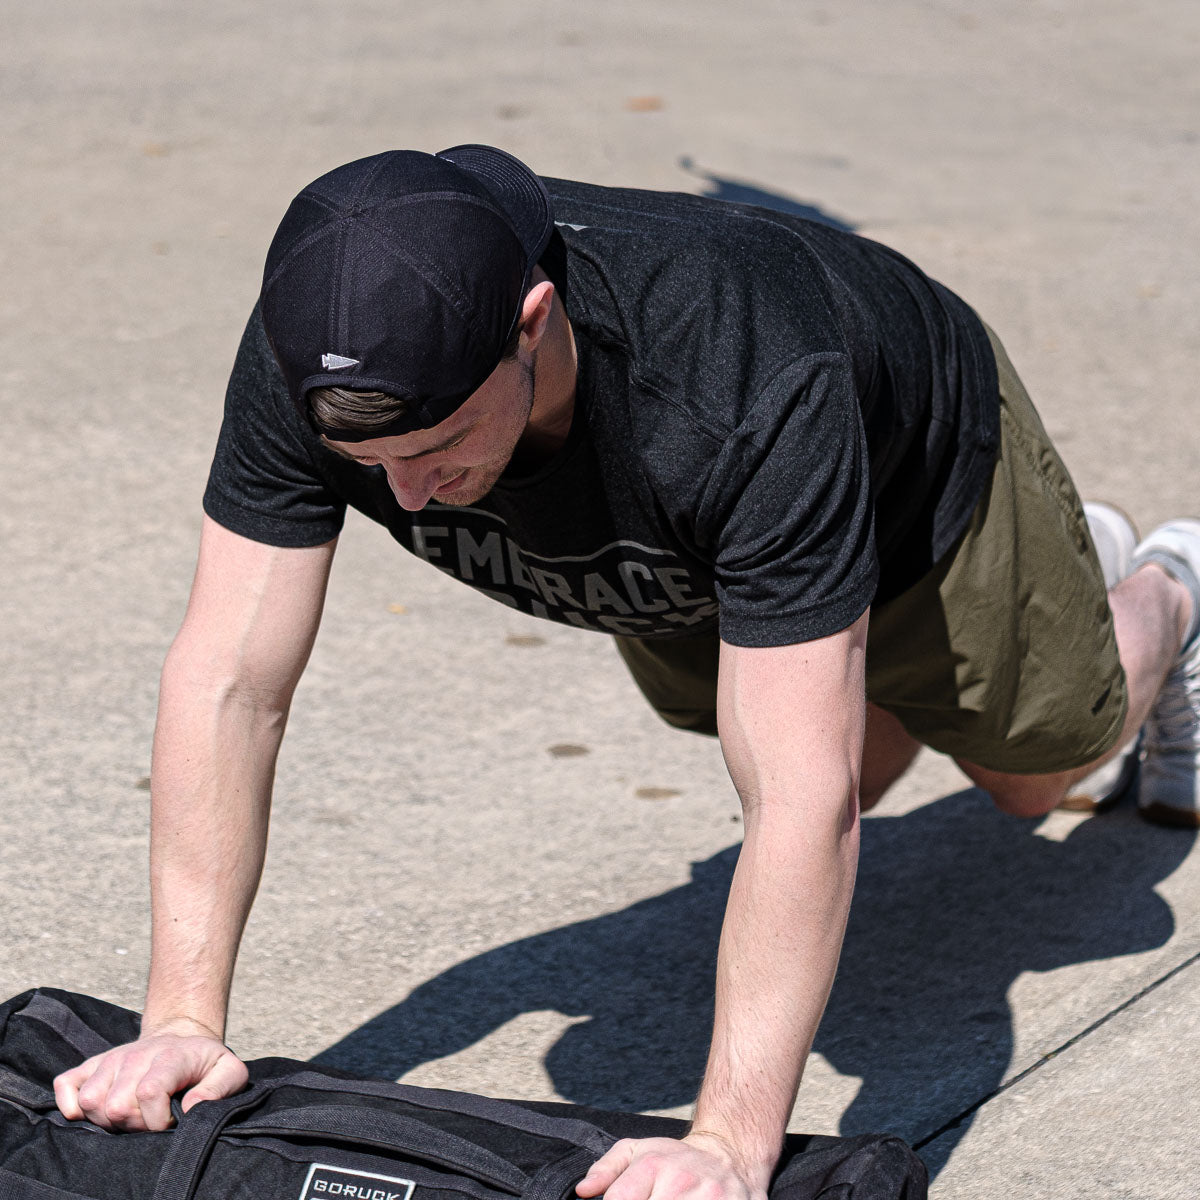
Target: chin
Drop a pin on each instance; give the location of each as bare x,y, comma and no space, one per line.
474,488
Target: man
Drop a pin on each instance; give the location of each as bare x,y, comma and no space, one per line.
786,470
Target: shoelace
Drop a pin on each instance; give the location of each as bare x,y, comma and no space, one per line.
1174,725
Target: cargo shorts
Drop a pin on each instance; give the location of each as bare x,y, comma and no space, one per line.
1003,655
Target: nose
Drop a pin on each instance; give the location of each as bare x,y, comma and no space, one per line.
412,483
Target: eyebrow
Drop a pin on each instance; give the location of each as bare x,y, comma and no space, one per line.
405,457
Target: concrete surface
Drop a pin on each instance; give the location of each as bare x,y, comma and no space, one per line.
449,896
1082,1129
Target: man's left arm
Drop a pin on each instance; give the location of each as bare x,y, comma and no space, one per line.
791,724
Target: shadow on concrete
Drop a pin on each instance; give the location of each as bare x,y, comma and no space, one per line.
738,191
954,901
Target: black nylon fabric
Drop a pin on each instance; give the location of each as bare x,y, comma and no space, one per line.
300,1134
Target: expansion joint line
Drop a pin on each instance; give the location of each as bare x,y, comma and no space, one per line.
954,1122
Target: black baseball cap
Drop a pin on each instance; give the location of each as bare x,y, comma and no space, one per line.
404,273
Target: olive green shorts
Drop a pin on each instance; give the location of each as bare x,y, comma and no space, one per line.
1003,655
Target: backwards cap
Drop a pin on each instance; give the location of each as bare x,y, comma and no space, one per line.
404,273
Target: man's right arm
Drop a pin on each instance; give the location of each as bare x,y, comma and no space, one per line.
226,687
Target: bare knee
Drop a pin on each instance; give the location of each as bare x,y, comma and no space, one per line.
1020,795
888,751
1028,799
871,792
868,800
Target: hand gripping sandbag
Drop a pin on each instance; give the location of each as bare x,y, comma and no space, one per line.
301,1134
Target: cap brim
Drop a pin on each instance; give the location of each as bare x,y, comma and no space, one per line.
518,191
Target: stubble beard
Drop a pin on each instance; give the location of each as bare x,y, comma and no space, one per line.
486,475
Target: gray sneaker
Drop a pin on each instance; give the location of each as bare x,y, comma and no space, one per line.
1115,539
1168,793
1108,785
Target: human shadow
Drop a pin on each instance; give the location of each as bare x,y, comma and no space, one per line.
954,901
740,191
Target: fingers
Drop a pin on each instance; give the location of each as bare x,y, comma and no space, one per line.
653,1173
131,1086
122,1080
151,1100
92,1097
666,1169
67,1085
91,1091
605,1171
227,1076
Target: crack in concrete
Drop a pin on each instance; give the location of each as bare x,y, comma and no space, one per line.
969,1111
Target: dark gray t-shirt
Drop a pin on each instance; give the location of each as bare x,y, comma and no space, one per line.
776,424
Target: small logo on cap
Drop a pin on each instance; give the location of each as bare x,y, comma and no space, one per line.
336,362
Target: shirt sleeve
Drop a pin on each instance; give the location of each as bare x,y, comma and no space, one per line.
264,483
789,513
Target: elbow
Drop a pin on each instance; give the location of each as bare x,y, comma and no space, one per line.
844,812
830,805
196,671
851,818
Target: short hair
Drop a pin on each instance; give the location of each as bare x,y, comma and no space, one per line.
367,412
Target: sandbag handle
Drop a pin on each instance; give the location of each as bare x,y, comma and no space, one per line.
193,1139
557,1180
397,1131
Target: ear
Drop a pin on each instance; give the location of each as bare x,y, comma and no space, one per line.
535,313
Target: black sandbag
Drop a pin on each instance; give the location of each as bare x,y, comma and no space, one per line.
296,1133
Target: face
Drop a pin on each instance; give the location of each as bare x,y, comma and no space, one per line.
459,460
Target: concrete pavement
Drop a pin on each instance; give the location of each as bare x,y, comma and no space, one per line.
490,867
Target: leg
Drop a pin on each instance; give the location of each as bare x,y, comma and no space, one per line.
1009,656
678,677
888,751
1151,612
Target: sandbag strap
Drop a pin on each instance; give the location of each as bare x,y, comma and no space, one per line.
194,1137
506,1112
69,1025
192,1141
397,1131
24,1091
557,1180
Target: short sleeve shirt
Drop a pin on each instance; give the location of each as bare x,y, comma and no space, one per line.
776,424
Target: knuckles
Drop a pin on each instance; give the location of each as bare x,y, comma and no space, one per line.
110,1089
148,1089
673,1170
120,1111
654,1161
91,1096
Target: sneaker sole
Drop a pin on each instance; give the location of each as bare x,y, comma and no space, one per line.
1125,783
1173,818
1083,803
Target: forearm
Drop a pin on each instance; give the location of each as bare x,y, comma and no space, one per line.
780,943
226,688
791,721
214,756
